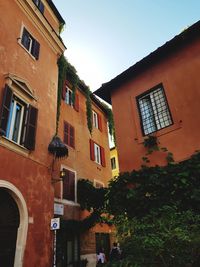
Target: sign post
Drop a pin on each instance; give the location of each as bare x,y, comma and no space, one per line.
55,225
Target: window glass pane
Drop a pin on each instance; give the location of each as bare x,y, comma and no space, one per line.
9,119
97,154
154,111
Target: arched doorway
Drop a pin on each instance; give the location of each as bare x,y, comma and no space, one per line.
9,223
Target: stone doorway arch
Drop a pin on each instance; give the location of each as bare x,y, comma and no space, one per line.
14,222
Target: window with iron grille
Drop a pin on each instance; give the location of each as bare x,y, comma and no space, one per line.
154,111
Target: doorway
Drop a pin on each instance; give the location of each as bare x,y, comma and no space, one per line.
9,223
103,241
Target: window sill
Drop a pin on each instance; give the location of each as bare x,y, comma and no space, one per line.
19,42
67,202
5,142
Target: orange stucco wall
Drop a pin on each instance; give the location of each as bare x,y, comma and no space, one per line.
179,74
30,172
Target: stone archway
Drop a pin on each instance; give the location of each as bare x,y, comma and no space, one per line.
14,222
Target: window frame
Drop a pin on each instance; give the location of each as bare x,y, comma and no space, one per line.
97,154
153,109
95,119
27,126
69,138
63,167
39,4
68,96
33,47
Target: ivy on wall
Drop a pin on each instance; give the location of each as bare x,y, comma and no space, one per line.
62,67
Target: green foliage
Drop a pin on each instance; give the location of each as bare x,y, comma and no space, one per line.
152,144
157,214
138,192
62,67
90,197
89,109
78,227
73,78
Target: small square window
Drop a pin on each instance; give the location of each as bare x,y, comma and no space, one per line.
154,111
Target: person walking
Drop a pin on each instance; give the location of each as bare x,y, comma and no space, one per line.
101,258
115,254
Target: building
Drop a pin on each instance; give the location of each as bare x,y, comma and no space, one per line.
158,96
114,161
88,158
30,46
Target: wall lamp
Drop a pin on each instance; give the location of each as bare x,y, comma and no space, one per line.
62,175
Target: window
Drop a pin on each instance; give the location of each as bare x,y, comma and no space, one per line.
30,44
97,122
69,185
39,5
69,133
18,120
97,153
154,111
67,95
113,163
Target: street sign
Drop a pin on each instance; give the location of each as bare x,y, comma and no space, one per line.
55,223
58,209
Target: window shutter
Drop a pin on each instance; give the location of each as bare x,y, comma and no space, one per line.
31,128
76,103
71,136
66,132
92,156
64,90
69,185
35,50
5,109
103,162
99,122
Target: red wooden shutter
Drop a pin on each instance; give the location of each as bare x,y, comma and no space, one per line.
71,137
31,128
5,109
64,90
99,122
76,103
92,156
69,185
66,133
103,162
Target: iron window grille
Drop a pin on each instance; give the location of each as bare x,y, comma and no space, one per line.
154,111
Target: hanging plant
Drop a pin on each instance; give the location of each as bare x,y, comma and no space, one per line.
62,67
89,109
73,78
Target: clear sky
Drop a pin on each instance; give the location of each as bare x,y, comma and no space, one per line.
105,37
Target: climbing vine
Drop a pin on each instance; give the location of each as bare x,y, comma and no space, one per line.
62,67
89,109
151,143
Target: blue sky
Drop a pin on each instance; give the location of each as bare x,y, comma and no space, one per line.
106,37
